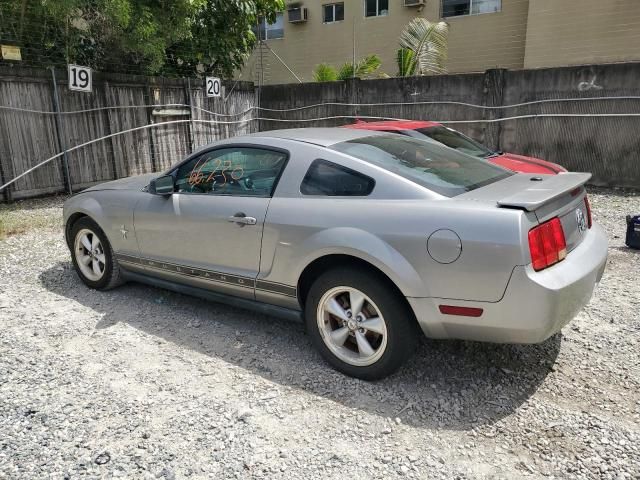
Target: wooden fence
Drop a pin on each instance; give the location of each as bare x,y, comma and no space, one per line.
31,131
586,118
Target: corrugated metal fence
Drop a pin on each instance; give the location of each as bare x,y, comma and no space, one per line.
31,130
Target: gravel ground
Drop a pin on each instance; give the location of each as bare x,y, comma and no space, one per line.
142,383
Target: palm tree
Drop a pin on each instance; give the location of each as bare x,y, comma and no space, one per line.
406,62
325,73
428,43
365,67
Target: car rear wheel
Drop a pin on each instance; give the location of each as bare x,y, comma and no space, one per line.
360,325
92,256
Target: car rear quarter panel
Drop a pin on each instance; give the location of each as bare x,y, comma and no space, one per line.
392,235
389,229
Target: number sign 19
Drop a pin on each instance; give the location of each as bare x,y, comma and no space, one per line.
213,87
79,78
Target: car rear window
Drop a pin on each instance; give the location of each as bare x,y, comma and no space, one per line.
456,140
435,167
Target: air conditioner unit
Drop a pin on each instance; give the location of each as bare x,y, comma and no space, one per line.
297,14
414,3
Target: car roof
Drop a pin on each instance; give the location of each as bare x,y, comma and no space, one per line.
318,136
393,125
323,137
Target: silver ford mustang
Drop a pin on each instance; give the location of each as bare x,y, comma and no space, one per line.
369,237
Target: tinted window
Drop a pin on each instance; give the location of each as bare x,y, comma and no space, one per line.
453,8
433,166
268,31
232,171
456,140
326,178
333,12
374,8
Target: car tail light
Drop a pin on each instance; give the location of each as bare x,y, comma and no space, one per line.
588,206
547,244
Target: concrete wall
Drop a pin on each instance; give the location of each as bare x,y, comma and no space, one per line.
582,32
476,43
606,146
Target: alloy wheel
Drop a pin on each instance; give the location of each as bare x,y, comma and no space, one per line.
90,255
352,326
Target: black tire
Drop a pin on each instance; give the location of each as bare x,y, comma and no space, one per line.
401,327
111,276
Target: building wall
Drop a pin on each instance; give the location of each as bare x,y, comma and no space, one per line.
580,32
490,40
476,42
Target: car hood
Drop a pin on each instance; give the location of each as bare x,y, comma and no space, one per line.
130,183
523,164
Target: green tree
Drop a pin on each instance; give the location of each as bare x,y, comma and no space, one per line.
222,35
182,37
428,43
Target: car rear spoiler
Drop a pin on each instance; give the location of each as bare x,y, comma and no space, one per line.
544,191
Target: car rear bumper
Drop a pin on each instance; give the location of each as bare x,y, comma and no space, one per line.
535,305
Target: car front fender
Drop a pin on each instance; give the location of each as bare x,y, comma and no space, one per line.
84,204
112,210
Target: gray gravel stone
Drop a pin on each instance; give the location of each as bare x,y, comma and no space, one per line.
170,387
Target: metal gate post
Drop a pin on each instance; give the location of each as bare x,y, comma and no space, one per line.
60,135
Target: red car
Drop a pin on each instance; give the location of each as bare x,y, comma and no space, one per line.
462,143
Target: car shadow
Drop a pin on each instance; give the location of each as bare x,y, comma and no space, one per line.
454,385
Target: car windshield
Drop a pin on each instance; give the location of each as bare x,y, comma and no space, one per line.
433,166
456,140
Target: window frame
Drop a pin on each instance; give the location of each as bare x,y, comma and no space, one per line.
470,14
173,171
262,27
333,5
338,167
378,14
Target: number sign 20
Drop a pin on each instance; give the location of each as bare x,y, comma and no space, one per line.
79,78
213,87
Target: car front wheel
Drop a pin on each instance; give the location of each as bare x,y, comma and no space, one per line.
360,325
92,255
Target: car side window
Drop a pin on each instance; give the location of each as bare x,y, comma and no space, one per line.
331,179
242,171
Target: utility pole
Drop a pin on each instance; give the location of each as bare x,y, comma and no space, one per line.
353,57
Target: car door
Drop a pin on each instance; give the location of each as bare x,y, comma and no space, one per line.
208,233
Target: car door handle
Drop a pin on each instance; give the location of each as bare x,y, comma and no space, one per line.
241,219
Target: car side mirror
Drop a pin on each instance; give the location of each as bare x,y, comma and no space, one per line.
162,185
